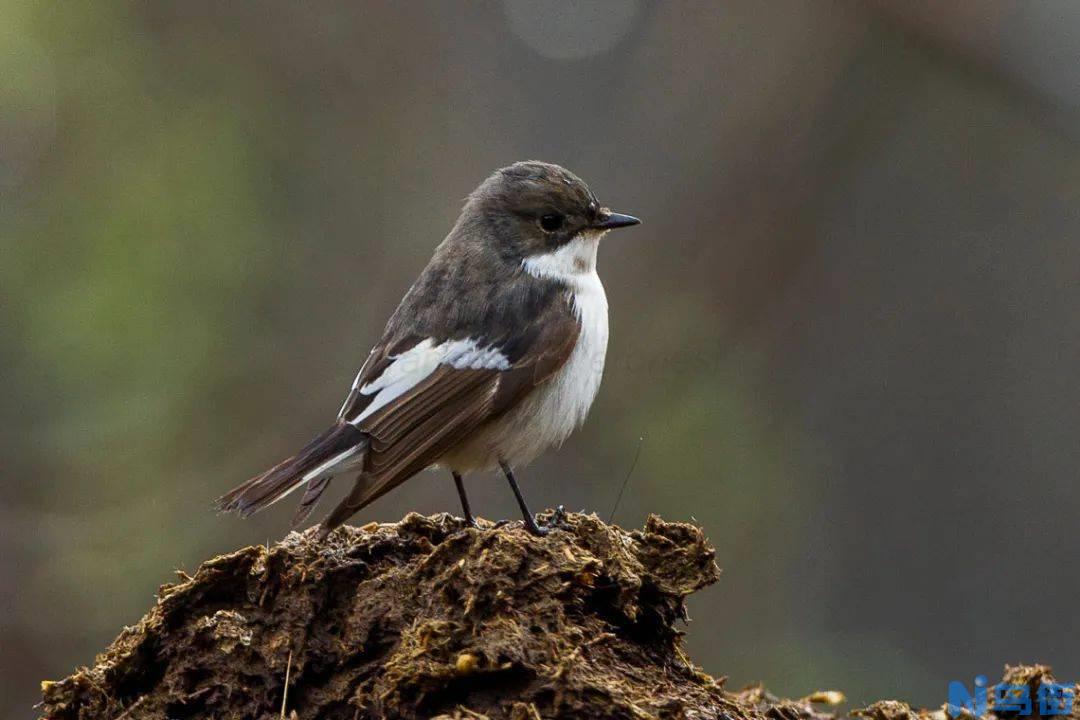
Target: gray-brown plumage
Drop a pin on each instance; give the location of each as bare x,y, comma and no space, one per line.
494,353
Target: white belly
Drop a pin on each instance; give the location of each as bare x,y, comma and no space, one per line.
559,406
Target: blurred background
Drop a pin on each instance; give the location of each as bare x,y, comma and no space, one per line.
845,340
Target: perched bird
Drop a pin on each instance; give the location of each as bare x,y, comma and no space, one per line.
494,354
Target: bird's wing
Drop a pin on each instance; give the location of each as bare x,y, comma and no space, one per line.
416,399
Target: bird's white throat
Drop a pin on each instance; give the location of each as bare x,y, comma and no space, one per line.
573,263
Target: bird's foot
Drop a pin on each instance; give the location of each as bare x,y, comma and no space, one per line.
529,523
534,528
557,521
558,518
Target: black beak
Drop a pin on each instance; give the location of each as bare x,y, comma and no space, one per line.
607,220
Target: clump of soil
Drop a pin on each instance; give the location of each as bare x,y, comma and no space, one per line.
417,619
429,618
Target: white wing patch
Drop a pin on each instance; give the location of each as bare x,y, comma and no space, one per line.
418,362
462,354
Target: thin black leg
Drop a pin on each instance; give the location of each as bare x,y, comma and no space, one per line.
526,514
464,499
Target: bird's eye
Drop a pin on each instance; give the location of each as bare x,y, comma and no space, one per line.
551,223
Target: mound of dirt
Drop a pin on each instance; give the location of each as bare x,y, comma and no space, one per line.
428,618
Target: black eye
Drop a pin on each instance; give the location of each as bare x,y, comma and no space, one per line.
551,223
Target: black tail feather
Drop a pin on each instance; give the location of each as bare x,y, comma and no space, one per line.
265,489
311,497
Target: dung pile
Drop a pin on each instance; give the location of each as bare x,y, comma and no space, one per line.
429,618
417,619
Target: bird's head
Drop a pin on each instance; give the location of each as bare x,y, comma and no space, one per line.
533,209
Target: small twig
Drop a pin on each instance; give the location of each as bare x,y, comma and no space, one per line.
472,713
132,706
637,454
285,692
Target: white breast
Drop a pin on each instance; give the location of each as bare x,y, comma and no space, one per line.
557,407
563,402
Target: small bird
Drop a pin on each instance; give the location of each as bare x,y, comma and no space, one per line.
494,354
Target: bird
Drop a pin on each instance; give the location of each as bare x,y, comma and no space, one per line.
494,355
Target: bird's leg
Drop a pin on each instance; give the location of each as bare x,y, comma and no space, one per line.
469,519
526,514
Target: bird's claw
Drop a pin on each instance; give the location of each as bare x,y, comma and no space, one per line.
558,517
556,521
536,529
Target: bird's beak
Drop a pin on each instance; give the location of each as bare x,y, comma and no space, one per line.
607,220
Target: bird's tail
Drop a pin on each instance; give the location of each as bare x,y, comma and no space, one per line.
338,449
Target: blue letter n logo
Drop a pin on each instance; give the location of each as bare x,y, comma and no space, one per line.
961,701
